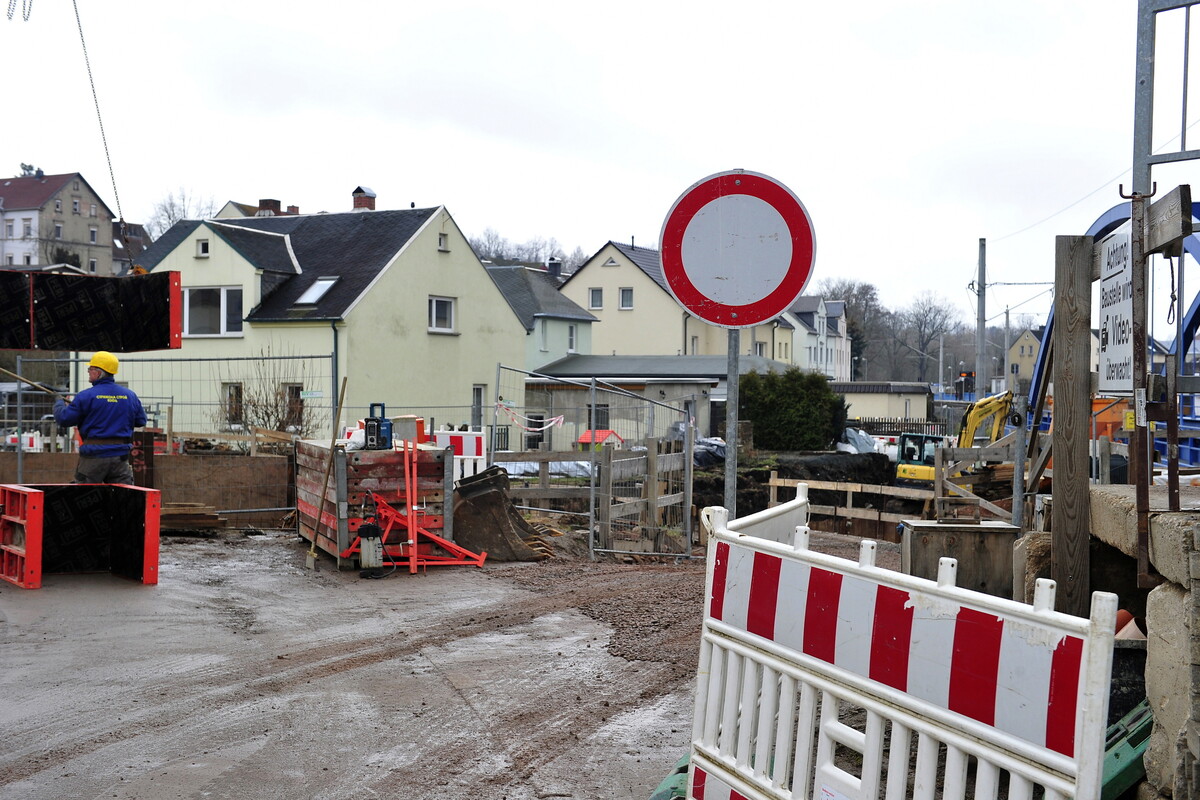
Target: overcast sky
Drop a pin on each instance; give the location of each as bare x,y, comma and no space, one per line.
909,130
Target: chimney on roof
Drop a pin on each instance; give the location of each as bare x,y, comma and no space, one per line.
364,199
554,267
269,205
293,209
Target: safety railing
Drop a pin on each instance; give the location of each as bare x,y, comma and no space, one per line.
825,678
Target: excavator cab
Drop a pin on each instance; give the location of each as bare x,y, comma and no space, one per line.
915,456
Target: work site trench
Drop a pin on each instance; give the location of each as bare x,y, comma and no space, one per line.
245,674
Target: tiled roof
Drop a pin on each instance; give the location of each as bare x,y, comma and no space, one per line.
353,247
533,293
33,192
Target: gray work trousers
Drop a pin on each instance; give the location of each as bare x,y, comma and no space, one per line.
114,469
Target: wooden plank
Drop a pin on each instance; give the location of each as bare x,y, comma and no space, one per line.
957,491
625,509
627,469
863,488
1070,514
857,513
552,493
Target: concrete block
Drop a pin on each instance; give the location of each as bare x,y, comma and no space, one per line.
1168,681
1172,534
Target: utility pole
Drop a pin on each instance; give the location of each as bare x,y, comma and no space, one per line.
1007,346
981,324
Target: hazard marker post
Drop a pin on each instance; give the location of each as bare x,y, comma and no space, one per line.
738,248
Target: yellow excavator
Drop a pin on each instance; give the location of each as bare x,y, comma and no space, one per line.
982,423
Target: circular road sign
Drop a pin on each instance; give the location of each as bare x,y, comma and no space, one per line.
737,249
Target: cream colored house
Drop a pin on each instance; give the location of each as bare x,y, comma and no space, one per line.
867,399
395,302
623,286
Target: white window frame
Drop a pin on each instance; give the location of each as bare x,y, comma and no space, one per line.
29,259
596,298
625,291
444,242
75,205
8,229
202,248
10,260
92,210
543,335
571,339
58,205
449,303
93,235
92,265
315,292
760,349
26,227
222,314
58,230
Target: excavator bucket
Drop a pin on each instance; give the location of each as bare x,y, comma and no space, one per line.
485,519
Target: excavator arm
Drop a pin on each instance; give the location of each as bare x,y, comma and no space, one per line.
990,411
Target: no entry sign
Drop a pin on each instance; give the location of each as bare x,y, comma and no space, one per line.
737,249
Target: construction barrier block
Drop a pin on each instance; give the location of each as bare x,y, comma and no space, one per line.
67,528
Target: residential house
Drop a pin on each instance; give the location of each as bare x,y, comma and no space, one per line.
554,325
1023,356
51,219
819,339
398,299
624,285
887,399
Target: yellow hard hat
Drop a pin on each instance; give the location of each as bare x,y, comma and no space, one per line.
105,361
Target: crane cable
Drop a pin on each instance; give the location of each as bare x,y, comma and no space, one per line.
100,120
26,7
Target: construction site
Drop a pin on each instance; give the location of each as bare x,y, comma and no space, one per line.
591,587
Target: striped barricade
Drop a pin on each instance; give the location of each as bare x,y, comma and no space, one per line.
828,679
470,450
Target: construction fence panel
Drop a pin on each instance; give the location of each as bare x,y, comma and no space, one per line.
224,407
591,449
821,677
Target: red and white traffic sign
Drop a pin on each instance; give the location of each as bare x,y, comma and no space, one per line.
737,249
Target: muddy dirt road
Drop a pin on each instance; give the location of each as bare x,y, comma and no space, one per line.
245,675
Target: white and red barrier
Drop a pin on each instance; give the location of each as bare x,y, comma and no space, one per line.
470,450
793,637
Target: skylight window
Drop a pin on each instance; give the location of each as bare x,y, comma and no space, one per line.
315,292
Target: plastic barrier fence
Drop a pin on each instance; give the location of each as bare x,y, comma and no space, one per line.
470,450
828,679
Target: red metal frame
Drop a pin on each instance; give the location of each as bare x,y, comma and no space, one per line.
21,536
22,530
416,549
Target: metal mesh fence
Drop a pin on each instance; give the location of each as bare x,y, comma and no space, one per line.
591,448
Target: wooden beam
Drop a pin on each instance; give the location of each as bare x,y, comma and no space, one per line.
1071,514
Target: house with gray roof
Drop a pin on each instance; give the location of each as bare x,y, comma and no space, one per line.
396,302
624,287
555,326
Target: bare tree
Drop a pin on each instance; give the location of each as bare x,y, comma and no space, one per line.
928,318
177,206
574,261
491,245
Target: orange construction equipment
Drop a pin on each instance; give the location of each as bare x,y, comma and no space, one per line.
404,535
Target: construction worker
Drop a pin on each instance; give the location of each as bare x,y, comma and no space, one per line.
106,415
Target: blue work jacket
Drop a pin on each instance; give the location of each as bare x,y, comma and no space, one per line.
106,411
